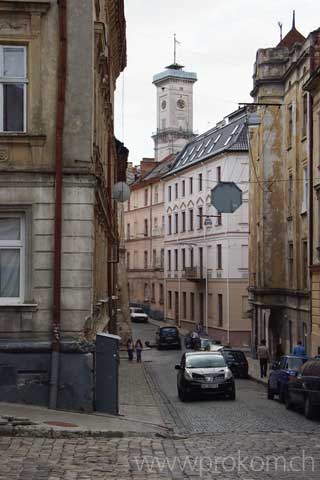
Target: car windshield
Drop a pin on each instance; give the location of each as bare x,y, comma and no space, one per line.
137,310
205,342
205,361
168,332
295,363
233,355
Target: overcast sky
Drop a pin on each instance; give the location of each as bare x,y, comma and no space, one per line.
219,40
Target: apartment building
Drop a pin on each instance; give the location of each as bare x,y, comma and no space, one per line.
59,62
282,194
206,253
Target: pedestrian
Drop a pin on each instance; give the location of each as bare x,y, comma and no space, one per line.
130,349
299,350
263,356
138,347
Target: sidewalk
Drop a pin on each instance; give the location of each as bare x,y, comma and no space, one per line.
254,371
139,414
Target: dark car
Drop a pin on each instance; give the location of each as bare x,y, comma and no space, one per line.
237,362
284,371
304,391
203,343
204,373
168,337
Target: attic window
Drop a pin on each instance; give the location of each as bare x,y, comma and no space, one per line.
199,146
218,138
235,129
227,141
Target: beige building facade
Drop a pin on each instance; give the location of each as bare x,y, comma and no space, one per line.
58,163
281,195
206,253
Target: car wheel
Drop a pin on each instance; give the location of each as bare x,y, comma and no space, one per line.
309,411
270,393
288,402
232,396
282,396
183,396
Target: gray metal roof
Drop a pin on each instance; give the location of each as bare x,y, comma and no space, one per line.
173,73
159,170
230,137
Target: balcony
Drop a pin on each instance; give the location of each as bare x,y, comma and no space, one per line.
194,274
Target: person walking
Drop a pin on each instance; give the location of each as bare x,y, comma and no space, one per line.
263,356
139,348
130,349
299,350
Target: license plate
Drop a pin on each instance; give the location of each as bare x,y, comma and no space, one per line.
211,385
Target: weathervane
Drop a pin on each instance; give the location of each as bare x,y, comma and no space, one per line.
280,26
175,43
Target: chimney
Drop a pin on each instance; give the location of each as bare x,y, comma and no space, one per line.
146,165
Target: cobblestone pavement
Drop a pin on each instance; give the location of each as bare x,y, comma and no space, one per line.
251,438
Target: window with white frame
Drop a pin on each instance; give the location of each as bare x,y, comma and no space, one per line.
13,88
12,248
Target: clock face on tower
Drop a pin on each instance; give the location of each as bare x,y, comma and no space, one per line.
163,104
181,104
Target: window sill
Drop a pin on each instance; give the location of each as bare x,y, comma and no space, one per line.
22,138
30,307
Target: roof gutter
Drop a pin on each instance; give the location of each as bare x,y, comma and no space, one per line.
61,94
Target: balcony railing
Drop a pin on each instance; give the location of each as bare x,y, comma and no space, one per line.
194,273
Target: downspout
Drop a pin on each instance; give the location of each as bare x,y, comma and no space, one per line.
61,92
310,120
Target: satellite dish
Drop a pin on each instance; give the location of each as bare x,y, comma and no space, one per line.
121,192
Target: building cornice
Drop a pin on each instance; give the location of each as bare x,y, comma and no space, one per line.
34,6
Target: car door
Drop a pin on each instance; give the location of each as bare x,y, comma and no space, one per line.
296,392
274,375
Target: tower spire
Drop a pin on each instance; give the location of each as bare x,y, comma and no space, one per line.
294,19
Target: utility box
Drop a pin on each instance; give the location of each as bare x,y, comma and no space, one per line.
107,373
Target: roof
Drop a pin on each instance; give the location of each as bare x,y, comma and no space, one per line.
174,73
229,137
292,37
160,169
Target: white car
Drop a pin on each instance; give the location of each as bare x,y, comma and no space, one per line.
137,315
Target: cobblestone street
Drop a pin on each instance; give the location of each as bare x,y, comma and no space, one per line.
252,438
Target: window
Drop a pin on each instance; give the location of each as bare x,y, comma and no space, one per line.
219,219
176,260
154,258
290,263
163,224
163,123
290,126
290,193
145,259
176,190
156,194
304,264
218,171
161,293
153,293
13,88
145,197
169,260
183,219
183,188
169,225
200,214
128,231
128,260
183,253
191,185
184,304
220,310
191,220
146,292
200,181
162,258
191,257
176,223
169,299
192,305
135,259
219,256
169,193
155,226
145,233
305,189
12,248
305,115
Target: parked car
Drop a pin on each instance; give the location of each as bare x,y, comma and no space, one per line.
204,373
284,371
304,392
137,315
237,362
203,343
168,336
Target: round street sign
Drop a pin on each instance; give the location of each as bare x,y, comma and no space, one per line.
226,197
121,192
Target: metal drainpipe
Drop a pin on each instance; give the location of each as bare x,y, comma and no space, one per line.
62,68
310,119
